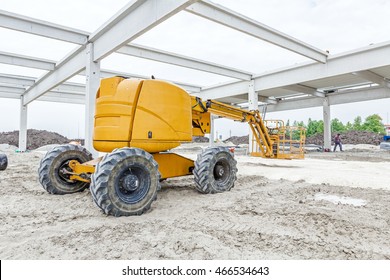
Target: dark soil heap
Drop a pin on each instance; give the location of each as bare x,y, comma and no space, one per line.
200,139
349,137
237,140
35,138
38,138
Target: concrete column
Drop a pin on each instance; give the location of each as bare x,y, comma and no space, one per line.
327,128
92,74
23,127
253,100
212,130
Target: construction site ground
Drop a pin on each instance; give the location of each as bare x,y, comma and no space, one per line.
327,206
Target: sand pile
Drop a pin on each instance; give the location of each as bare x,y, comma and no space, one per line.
328,206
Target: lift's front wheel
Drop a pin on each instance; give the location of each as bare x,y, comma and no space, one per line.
215,170
54,171
125,182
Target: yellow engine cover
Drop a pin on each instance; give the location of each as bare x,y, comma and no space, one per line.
149,114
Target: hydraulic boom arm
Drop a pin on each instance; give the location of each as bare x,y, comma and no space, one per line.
266,144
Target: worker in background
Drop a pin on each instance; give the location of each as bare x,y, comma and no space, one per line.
337,142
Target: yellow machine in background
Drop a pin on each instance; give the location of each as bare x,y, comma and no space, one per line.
137,122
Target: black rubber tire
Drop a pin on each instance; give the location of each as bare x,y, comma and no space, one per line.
54,161
125,182
215,170
3,162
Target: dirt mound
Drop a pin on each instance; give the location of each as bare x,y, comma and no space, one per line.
349,137
35,138
237,140
199,139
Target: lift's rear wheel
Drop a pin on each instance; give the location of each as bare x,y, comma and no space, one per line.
54,169
215,170
125,182
3,162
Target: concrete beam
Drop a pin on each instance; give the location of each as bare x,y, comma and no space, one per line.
135,19
305,89
373,77
77,87
366,94
345,97
55,31
109,73
11,89
267,100
233,100
42,28
373,56
60,97
26,61
10,95
16,80
224,90
370,57
229,18
70,87
131,22
66,69
183,61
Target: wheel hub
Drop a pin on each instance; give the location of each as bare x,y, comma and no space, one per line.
65,172
130,183
219,170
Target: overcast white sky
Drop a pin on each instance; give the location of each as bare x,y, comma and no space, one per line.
337,26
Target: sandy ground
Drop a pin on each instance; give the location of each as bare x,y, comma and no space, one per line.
328,206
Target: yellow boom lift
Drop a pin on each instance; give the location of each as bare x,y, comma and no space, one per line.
137,123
